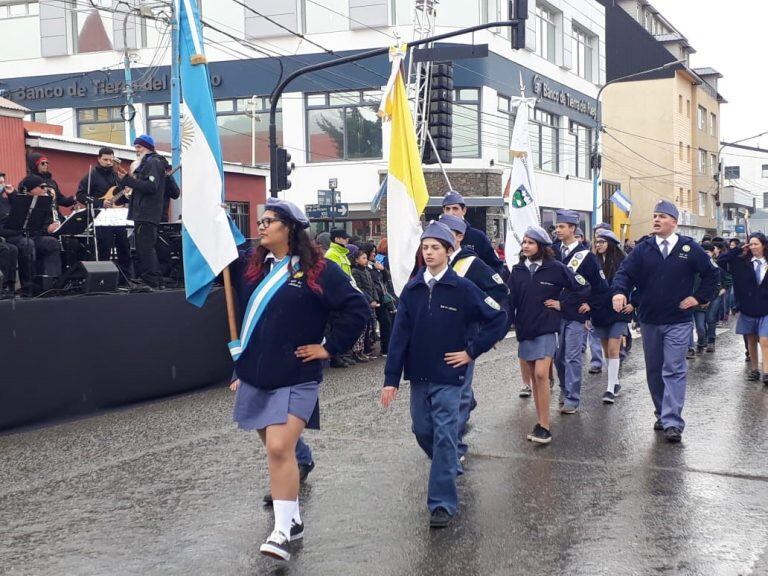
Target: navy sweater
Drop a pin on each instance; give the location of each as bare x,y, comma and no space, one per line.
752,298
603,313
297,316
478,242
528,294
589,272
430,324
484,277
663,283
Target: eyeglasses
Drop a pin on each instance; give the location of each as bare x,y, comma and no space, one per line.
266,222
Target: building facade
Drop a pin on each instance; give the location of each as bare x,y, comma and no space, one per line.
661,130
74,77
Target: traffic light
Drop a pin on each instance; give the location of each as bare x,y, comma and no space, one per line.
440,119
518,10
284,168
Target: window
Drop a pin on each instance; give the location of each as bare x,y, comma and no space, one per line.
702,161
36,117
343,126
240,213
458,13
579,148
765,170
688,108
688,153
401,12
159,125
582,45
19,9
545,32
505,108
92,27
702,204
713,208
713,164
679,199
702,119
325,16
713,124
680,103
101,125
466,123
732,172
680,150
544,140
238,131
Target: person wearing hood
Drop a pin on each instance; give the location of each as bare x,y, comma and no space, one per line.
146,206
92,188
39,165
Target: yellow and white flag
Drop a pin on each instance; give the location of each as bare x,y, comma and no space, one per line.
407,193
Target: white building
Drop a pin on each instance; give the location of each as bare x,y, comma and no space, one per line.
63,59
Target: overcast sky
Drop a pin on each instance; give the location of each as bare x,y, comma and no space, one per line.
730,37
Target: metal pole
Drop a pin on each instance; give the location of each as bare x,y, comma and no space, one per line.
275,96
175,108
128,80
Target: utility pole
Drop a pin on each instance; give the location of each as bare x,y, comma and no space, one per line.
130,112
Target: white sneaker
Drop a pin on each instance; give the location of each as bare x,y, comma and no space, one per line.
276,546
525,391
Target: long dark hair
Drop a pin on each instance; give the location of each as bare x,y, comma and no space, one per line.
747,253
311,260
611,260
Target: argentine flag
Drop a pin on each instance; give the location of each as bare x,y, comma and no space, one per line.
209,236
406,189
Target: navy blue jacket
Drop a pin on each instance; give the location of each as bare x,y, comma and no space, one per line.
663,283
477,241
589,272
430,324
484,277
752,298
297,316
603,313
528,294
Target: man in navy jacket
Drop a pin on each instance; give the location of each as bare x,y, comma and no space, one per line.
434,339
474,239
663,269
575,311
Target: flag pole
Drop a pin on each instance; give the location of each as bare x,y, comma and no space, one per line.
229,297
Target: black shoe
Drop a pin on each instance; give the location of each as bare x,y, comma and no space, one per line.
268,501
595,370
297,531
533,432
765,379
304,470
608,397
754,375
348,360
616,390
699,349
673,434
276,546
338,363
710,347
440,518
690,354
541,436
658,426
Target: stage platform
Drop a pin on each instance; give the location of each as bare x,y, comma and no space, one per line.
70,356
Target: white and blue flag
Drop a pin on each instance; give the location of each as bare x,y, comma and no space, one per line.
209,236
621,201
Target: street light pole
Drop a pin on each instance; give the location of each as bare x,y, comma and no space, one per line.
597,149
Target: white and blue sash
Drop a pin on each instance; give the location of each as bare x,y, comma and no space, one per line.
260,299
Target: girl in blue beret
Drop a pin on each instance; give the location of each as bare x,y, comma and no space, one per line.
288,291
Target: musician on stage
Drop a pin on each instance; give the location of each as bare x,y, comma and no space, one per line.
146,206
9,254
39,165
93,187
41,252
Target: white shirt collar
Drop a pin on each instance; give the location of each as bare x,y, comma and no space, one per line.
571,247
453,255
428,275
672,239
528,263
761,260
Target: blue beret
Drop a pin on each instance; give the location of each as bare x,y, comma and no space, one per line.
603,226
353,251
145,140
608,235
288,210
538,234
567,217
666,207
439,231
579,232
453,197
454,223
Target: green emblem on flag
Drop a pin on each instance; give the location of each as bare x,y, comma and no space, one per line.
521,198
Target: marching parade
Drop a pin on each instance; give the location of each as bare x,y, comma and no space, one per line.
532,339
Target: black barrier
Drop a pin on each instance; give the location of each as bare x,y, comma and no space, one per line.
64,357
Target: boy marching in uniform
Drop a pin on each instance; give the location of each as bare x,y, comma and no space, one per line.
474,239
433,340
583,263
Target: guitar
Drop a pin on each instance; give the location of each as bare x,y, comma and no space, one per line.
113,195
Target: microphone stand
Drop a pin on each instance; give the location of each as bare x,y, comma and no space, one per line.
90,217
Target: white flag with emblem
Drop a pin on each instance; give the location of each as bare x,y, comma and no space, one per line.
520,190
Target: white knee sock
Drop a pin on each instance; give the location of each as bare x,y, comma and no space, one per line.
297,513
613,374
284,510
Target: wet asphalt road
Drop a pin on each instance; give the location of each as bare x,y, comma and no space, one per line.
172,487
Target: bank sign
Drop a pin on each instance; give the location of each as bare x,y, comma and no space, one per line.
560,96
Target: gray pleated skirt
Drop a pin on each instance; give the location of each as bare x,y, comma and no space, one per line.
540,347
256,408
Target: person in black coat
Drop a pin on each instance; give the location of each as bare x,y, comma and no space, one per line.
92,189
365,284
474,239
39,165
384,312
146,206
